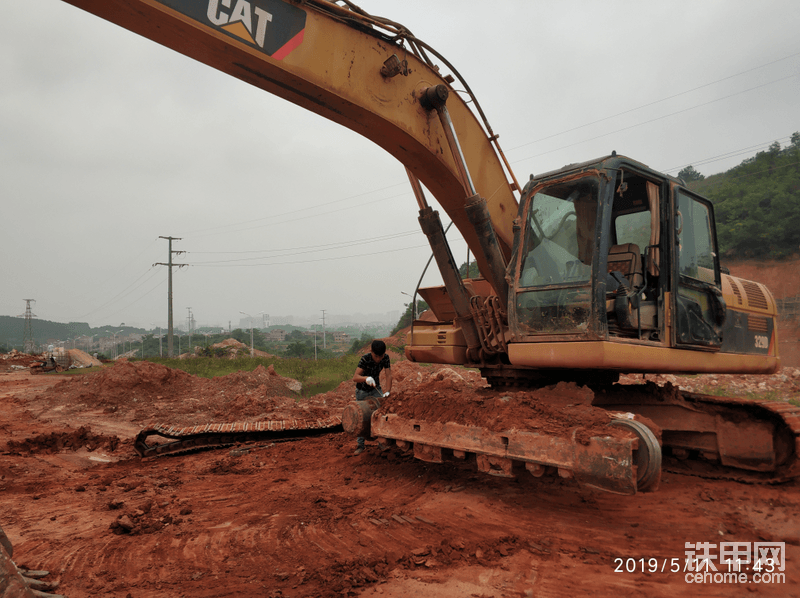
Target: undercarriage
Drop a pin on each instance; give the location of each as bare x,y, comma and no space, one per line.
644,424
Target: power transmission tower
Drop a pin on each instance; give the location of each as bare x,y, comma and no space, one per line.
323,327
170,264
27,336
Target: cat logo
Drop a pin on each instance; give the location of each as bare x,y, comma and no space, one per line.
271,26
239,21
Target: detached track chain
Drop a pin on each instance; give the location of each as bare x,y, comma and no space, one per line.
208,435
787,413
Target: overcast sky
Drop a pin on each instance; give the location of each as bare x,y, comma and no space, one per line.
108,141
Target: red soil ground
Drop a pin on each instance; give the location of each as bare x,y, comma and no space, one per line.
307,518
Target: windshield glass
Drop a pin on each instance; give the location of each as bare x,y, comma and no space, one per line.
554,291
560,233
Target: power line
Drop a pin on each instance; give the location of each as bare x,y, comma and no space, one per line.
297,211
322,246
730,154
774,168
135,301
107,283
311,249
653,103
96,309
652,120
327,259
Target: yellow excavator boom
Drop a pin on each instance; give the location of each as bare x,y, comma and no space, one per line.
362,72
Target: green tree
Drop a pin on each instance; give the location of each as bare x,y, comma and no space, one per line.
473,271
408,316
689,174
358,343
299,349
757,204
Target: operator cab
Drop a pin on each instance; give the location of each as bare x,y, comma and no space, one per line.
607,248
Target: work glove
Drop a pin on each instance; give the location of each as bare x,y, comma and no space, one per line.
386,394
370,381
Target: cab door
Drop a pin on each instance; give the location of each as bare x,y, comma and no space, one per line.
698,306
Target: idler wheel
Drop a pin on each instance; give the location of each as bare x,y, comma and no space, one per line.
647,457
357,415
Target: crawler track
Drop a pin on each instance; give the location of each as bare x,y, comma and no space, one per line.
702,435
716,437
210,435
787,418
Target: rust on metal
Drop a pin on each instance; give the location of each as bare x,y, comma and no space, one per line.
605,463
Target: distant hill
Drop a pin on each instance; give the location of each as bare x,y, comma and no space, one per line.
757,203
12,330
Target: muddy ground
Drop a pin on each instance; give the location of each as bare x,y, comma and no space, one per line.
307,518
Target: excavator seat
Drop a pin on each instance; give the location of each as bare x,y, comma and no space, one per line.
627,260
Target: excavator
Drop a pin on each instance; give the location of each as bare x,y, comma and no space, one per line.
597,269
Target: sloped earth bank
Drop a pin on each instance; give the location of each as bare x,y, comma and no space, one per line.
306,518
782,278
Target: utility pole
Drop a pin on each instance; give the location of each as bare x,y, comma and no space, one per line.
323,327
27,336
190,326
170,264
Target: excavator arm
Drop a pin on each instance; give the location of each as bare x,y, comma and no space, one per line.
363,72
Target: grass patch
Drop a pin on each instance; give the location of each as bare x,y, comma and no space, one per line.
316,376
82,371
768,395
717,391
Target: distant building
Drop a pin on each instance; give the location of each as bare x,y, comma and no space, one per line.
341,337
276,336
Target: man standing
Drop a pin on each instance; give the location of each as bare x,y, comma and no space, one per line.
368,378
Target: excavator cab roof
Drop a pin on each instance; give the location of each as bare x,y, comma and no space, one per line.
609,162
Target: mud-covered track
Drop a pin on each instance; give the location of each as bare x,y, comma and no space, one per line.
210,435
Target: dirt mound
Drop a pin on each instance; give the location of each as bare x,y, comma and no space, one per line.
13,358
229,342
783,385
396,341
408,373
146,392
446,396
82,358
123,383
779,276
55,442
231,348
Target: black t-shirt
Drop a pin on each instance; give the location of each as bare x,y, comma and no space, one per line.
372,368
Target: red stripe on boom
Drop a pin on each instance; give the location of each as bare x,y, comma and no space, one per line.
289,46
